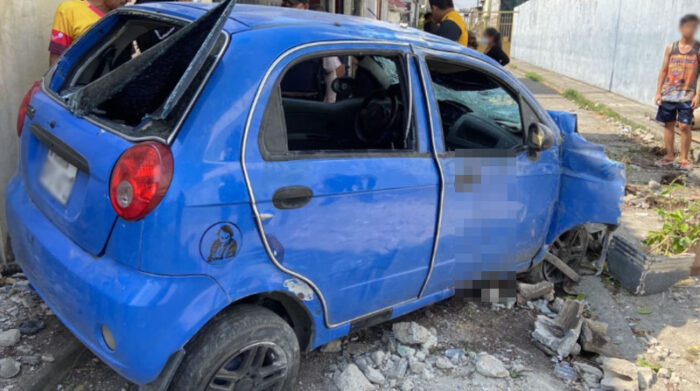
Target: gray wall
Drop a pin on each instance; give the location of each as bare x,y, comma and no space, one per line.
613,44
25,29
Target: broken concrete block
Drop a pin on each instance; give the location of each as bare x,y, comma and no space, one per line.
594,338
619,375
643,274
332,347
352,379
543,289
645,377
589,373
560,335
411,333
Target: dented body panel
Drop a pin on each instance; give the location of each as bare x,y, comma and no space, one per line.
592,185
382,238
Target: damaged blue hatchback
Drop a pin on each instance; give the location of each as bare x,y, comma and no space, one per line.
203,193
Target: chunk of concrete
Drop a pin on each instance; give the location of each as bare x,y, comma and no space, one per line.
589,373
352,379
619,375
642,274
489,366
544,289
645,377
594,338
9,337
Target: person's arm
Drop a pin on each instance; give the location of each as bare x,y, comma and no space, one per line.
449,29
504,60
662,75
60,35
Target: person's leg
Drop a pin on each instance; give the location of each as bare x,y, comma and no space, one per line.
667,114
669,138
685,143
685,118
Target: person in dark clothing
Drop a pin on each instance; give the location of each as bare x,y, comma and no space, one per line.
428,24
492,40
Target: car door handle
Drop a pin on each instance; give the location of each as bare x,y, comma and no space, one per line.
292,197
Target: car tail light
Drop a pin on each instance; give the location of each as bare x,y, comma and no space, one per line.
140,179
25,104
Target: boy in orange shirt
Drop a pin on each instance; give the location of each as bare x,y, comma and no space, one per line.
73,18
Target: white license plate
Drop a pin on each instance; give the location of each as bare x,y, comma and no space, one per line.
58,177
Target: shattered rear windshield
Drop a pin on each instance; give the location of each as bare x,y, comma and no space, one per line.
106,84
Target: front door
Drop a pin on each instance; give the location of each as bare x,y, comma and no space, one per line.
499,197
340,171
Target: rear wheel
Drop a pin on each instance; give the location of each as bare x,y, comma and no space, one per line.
570,247
248,348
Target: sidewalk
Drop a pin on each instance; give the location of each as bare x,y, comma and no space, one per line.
638,113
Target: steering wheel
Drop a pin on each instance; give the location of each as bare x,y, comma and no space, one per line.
377,115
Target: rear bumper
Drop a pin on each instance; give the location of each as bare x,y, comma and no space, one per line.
150,316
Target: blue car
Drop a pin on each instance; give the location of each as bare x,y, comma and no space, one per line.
203,193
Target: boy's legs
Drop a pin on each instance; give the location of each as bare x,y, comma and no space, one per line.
685,142
669,136
685,119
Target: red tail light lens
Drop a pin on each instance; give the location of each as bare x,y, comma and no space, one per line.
25,103
140,179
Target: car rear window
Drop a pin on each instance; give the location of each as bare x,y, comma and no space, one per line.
127,112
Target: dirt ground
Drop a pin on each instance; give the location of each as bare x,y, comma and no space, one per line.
664,335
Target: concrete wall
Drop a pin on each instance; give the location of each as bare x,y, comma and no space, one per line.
613,44
25,29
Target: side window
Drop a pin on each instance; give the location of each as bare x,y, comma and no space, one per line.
476,111
344,102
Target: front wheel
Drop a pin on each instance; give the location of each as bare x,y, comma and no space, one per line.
248,348
571,247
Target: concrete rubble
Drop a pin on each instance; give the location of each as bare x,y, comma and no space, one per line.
529,292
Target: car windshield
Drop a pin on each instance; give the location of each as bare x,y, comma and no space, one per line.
494,103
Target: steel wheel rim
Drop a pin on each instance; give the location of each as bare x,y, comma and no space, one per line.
258,366
571,248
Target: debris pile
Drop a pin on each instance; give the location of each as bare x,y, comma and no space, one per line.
409,359
21,311
565,334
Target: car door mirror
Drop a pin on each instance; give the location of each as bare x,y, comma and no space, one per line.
539,137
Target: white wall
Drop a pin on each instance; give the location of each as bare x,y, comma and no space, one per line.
613,44
25,29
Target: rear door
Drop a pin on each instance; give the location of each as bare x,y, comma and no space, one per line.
499,197
355,218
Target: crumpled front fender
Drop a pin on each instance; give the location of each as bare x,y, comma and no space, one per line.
591,186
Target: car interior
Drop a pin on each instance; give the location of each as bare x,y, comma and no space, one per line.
342,103
475,110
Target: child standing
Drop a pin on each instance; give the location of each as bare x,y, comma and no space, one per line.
678,93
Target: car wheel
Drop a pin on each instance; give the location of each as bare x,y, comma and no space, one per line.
248,348
571,247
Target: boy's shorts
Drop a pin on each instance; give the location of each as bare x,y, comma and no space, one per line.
675,111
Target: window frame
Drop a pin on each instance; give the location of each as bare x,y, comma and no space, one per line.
404,58
528,115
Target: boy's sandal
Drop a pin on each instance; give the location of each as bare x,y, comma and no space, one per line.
663,162
686,165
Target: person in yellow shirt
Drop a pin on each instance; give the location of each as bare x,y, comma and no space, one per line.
451,23
73,18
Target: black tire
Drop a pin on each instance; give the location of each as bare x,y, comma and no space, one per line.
571,247
245,335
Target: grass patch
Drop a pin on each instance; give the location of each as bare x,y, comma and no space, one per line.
643,362
581,100
533,76
643,311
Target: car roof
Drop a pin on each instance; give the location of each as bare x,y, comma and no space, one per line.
261,16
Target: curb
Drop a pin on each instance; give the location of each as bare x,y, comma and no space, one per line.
52,373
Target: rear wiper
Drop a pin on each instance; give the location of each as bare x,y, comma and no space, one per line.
153,82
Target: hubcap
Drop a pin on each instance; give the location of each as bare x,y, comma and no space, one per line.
260,366
571,248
